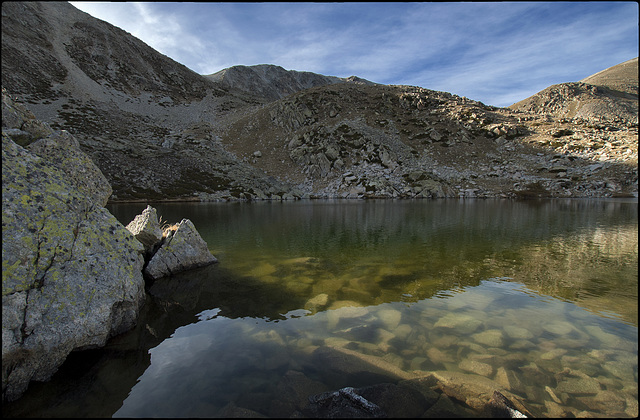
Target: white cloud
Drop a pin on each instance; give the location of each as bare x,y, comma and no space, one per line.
167,33
479,50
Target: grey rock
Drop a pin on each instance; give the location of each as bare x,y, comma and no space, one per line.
63,150
71,274
146,228
183,250
344,403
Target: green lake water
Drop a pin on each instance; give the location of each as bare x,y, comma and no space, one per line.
539,296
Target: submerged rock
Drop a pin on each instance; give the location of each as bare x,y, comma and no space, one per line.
71,273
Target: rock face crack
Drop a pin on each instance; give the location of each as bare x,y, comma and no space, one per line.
23,327
39,282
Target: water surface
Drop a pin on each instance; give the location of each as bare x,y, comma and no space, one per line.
535,295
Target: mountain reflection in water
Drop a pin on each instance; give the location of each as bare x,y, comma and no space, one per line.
423,285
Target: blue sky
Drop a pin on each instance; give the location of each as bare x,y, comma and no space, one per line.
494,52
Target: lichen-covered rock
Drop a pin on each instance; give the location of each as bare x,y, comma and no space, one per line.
146,228
183,250
71,273
20,123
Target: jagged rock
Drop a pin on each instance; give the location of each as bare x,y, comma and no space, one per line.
71,273
182,250
500,407
344,403
146,229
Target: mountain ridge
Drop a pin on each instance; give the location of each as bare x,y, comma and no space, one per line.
159,131
610,94
619,77
273,82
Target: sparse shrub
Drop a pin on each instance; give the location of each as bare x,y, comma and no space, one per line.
168,229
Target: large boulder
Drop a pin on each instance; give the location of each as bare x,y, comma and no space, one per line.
182,248
71,273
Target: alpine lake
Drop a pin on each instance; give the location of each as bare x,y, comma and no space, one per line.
539,296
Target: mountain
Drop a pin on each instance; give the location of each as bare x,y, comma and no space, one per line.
622,77
159,131
143,118
273,82
611,94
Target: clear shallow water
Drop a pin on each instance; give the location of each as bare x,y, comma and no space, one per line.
538,296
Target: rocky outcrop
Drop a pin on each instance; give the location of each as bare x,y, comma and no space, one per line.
178,248
346,141
71,273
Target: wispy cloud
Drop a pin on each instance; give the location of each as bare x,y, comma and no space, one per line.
486,51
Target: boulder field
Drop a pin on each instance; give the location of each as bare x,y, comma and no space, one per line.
72,275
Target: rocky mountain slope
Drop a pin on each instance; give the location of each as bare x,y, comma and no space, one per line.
141,116
400,141
622,77
609,95
273,82
160,131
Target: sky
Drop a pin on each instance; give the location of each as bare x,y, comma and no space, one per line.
494,52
